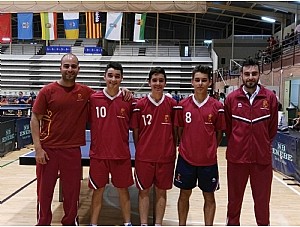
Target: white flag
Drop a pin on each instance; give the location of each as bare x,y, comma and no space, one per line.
139,27
113,26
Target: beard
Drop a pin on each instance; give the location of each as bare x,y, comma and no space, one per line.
250,84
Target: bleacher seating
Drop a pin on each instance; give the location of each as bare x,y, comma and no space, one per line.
200,51
30,73
21,49
147,50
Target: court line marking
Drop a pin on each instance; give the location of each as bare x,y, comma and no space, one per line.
288,186
17,191
9,162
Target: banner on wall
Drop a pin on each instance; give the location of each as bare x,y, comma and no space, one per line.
5,28
25,23
49,26
139,27
113,26
71,24
93,25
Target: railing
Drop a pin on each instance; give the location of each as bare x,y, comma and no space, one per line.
286,53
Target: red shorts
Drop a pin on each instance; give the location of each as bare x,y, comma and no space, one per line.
120,170
159,174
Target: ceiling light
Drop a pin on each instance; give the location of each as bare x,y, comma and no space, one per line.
207,41
268,19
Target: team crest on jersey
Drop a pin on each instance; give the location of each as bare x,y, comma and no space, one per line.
79,97
240,105
210,118
167,118
122,111
265,104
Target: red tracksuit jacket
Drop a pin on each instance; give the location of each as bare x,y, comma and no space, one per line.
251,128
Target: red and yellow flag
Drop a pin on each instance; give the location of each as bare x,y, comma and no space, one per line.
93,25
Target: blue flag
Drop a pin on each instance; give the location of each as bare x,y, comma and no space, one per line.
25,25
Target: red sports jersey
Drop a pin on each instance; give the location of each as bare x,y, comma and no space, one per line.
110,120
200,121
155,123
63,129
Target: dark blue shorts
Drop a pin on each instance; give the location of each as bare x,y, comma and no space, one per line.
186,176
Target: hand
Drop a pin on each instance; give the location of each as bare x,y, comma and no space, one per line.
41,156
127,95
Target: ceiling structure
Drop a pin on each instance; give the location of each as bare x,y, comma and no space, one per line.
245,16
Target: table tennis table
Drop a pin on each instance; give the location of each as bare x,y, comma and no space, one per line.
29,158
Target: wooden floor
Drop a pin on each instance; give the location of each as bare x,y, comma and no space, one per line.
20,208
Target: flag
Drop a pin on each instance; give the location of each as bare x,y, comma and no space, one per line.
49,26
93,25
113,26
25,25
71,23
5,27
139,27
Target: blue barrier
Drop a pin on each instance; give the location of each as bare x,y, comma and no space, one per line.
58,49
93,50
21,130
286,154
7,137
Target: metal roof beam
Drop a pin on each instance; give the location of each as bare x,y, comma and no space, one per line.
276,16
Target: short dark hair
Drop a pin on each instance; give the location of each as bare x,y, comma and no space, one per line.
250,62
114,65
202,69
157,70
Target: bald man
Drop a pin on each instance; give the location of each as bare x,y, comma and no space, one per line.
58,130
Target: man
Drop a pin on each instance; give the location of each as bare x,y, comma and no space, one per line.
21,99
251,114
200,121
58,127
60,110
109,117
155,145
